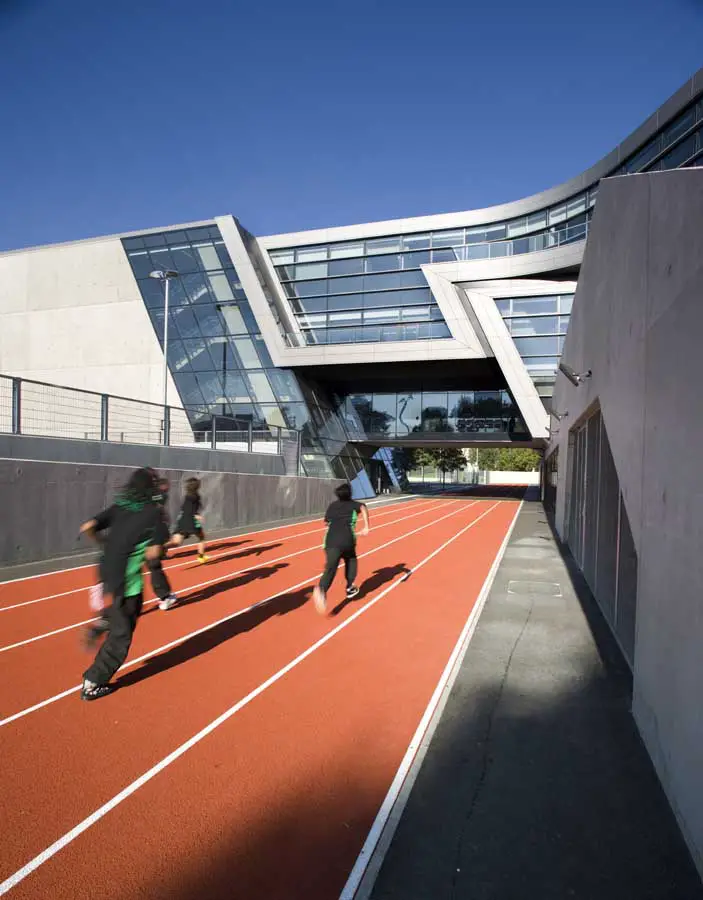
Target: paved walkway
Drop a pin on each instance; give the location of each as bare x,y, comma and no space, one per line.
536,785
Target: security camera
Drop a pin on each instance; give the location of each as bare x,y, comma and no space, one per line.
574,377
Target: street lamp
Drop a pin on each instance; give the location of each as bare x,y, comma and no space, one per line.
165,275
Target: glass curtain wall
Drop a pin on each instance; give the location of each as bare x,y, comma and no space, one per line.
217,355
538,326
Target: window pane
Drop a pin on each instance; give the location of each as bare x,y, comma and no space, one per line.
564,323
448,238
382,282
310,254
409,412
678,127
209,320
211,387
542,364
161,258
533,305
223,256
503,305
412,279
537,220
197,288
184,259
345,318
416,241
382,417
383,245
247,353
500,248
208,256
379,316
344,251
346,301
557,214
282,257
415,313
284,385
184,321
234,387
200,358
447,255
220,287
681,153
260,387
496,232
347,285
517,227
311,270
141,263
439,330
537,346
189,389
528,325
415,260
233,319
346,267
390,333
478,251
177,357
382,263
576,205
153,293
566,301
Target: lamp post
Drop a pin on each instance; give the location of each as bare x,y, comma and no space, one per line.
165,275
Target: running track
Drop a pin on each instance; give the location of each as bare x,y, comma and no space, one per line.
252,742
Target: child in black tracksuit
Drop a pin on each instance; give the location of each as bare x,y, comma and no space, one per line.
189,519
136,531
340,543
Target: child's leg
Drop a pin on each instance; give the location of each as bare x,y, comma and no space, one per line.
123,615
350,567
332,556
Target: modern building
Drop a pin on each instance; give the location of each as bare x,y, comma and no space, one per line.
443,328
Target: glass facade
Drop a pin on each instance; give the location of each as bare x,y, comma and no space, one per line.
374,290
419,413
680,143
217,355
538,326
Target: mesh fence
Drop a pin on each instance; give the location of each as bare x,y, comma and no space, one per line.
5,404
52,411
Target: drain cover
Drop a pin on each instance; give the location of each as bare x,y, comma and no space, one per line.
550,588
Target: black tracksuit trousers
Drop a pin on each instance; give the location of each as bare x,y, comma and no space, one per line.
334,555
121,619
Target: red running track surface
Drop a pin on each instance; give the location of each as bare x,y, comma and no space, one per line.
249,757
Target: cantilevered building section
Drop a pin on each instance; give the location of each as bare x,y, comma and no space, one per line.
445,328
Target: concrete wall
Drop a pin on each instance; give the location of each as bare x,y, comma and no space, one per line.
44,503
72,314
637,323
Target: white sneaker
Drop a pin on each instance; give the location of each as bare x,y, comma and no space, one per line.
320,600
169,602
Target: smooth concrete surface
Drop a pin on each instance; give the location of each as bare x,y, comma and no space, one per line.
23,447
637,323
45,503
536,785
72,314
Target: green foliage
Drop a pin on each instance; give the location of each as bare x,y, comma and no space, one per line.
405,459
446,459
508,459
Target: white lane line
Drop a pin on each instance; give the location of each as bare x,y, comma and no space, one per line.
311,518
258,565
368,864
180,640
132,788
188,562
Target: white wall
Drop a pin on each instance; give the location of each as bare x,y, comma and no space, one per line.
637,323
72,314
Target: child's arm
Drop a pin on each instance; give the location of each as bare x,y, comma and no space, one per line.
365,516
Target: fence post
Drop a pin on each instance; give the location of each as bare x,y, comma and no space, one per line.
167,426
279,447
213,433
17,406
250,437
300,454
104,417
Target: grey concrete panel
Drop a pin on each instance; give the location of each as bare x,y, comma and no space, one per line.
44,503
637,323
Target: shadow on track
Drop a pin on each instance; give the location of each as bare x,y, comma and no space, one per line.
213,637
377,580
249,551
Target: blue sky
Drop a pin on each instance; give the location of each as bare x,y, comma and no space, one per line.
321,112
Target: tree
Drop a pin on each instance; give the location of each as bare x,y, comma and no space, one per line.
405,459
446,459
508,459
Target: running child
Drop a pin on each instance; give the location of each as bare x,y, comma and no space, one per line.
159,580
137,531
190,521
340,543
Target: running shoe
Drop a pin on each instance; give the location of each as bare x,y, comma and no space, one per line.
203,558
320,600
168,602
95,691
352,591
